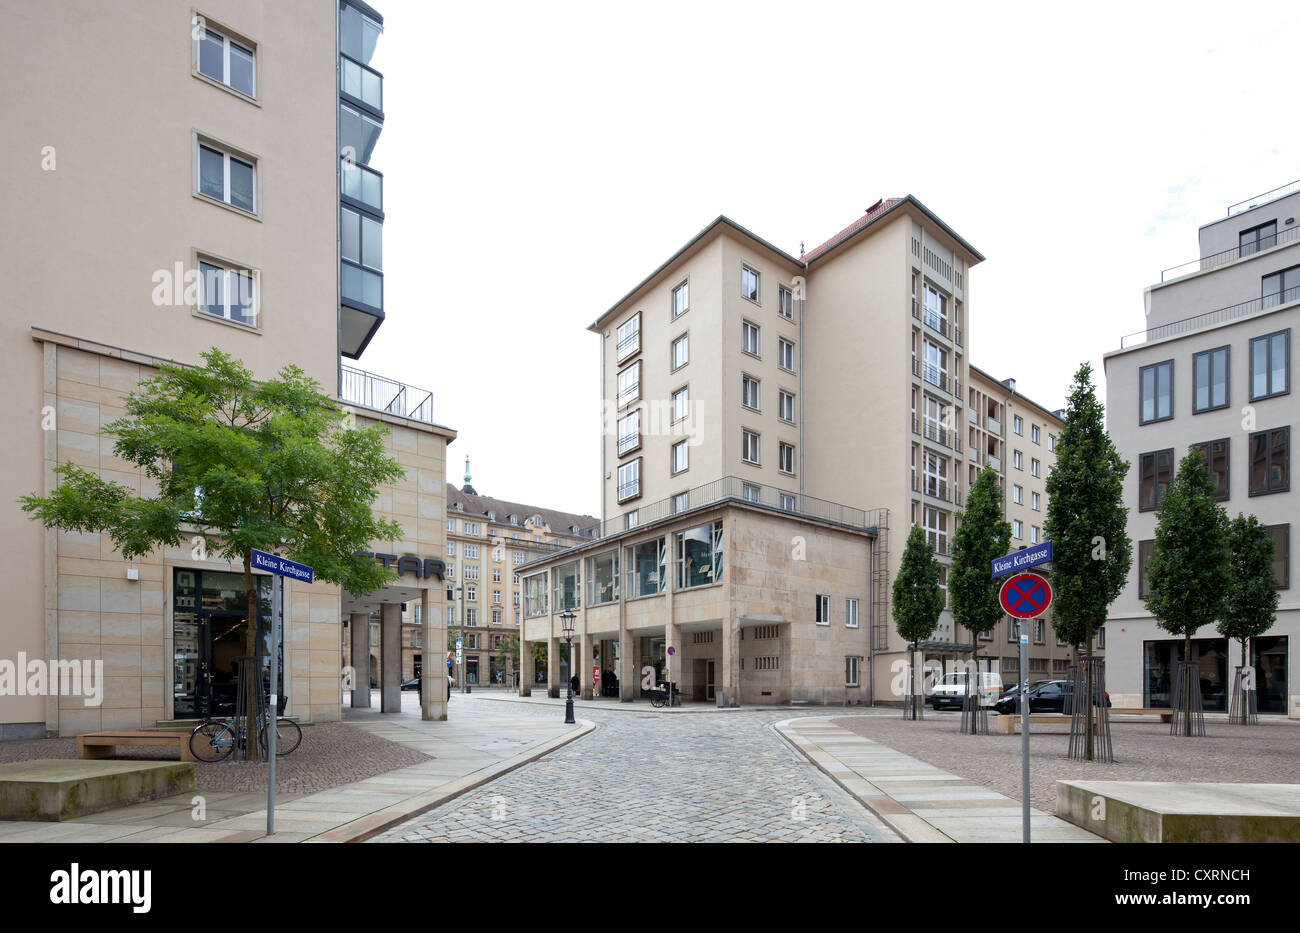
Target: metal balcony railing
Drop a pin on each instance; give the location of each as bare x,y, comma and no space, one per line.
358,387
1229,256
1264,198
937,434
1209,318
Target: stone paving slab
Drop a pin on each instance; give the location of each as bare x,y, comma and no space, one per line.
920,802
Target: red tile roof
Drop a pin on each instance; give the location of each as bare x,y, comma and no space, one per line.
879,208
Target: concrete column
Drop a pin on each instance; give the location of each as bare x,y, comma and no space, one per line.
729,683
629,681
585,682
527,667
390,668
359,625
433,676
553,667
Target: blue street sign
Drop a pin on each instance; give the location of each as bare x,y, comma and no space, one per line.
1022,560
274,563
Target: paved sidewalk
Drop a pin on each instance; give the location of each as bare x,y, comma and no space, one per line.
612,704
465,751
920,802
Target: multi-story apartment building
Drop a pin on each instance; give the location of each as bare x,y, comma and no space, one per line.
1213,369
766,415
193,178
487,541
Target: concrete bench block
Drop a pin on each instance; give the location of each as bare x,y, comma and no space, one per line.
61,789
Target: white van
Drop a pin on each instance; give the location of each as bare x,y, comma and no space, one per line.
949,691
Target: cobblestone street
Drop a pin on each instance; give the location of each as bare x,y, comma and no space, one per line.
654,777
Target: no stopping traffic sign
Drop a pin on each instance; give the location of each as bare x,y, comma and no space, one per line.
1025,595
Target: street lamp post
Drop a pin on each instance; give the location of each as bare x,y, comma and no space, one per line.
566,622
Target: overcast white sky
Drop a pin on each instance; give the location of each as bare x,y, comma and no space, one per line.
541,159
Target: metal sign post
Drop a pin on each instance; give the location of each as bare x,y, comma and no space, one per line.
671,651
1024,736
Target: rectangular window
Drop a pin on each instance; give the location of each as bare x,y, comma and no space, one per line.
1035,467
1155,473
681,456
228,293
1270,365
630,520
699,555
785,354
629,480
1257,238
1033,501
1017,494
785,303
681,299
629,384
789,502
786,406
749,337
1216,459
681,351
1033,534
681,403
749,392
822,607
785,458
751,493
935,523
629,337
229,178
1018,424
565,586
646,575
1145,550
1281,535
535,595
1155,392
851,671
629,432
748,283
1270,461
222,59
681,502
1017,530
1281,287
602,579
1210,380
749,448
361,240
1051,442
936,309
851,612
1033,433
1040,632
1018,460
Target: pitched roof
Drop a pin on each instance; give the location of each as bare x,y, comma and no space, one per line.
875,213
878,208
559,522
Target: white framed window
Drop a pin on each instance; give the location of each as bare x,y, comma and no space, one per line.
629,337
681,403
785,354
749,447
228,292
851,612
789,502
451,524
471,550
748,283
785,303
1018,460
629,480
852,671
823,609
681,351
785,458
629,432
751,493
681,299
1034,434
1017,529
496,571
1017,494
1033,501
630,520
471,528
749,333
451,548
496,597
749,392
1018,424
471,593
935,522
786,406
471,571
225,175
232,62
519,558
1035,467
450,570
1051,442
681,456
1033,534
681,502
629,384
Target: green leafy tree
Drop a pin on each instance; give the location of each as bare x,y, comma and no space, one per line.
1087,525
982,537
918,598
238,465
1188,573
1250,601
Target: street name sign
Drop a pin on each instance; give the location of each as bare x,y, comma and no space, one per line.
1022,560
281,566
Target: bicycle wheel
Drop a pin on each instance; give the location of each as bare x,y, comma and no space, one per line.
212,741
288,736
657,699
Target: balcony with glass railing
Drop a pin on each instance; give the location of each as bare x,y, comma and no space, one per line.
361,83
361,184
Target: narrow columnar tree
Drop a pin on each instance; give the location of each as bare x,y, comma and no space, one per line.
1087,525
1188,573
983,536
238,465
1250,601
918,598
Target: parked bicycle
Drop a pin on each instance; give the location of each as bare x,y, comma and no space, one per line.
659,697
216,739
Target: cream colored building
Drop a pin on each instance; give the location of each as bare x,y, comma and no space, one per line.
1213,367
769,413
177,183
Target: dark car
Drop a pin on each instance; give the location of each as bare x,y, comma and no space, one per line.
1047,696
412,684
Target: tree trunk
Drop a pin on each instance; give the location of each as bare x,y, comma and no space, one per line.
973,682
1088,698
1187,685
252,748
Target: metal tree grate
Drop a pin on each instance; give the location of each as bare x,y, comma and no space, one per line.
1189,713
974,715
249,672
1244,709
1089,738
913,702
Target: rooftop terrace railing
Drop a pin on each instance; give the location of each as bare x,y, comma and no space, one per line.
358,387
1229,256
1257,200
1209,319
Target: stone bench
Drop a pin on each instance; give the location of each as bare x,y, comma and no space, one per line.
1165,714
96,745
62,789
1007,721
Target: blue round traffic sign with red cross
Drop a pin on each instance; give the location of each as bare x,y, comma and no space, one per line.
1025,595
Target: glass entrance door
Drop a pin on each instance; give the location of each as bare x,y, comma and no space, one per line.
209,628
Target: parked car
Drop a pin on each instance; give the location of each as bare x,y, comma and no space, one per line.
949,691
1011,694
1047,696
412,684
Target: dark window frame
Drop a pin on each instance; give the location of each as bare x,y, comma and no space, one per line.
1142,506
1272,392
1144,590
1156,388
1258,245
1227,379
1285,485
1204,447
1286,560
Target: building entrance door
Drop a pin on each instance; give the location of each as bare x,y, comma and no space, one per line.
209,626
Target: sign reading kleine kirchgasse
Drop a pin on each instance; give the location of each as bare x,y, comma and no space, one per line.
274,563
1022,560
